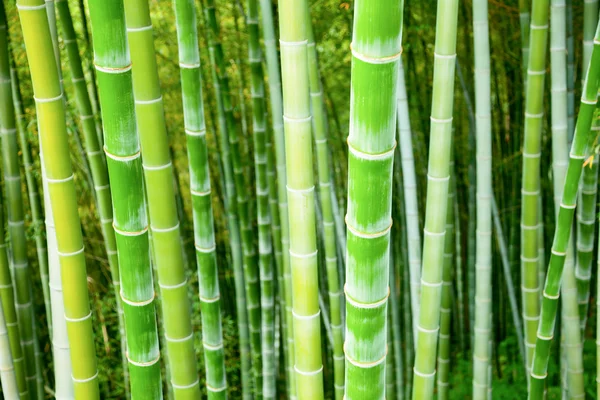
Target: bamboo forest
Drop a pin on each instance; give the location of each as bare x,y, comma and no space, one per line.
299,199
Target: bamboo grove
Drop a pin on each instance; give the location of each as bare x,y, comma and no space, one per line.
294,199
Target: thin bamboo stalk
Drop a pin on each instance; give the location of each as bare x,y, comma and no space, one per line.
204,235
438,176
8,377
563,228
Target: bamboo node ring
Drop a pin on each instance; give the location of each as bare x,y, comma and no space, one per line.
182,387
142,363
308,373
84,318
375,60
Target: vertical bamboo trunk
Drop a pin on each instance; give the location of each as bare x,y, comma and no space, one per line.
438,176
162,209
10,389
530,190
376,50
10,315
300,194
276,103
563,227
410,197
482,356
524,17
229,131
204,236
16,217
259,131
61,350
61,189
443,358
319,126
122,149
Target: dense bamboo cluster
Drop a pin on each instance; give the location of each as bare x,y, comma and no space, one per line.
383,199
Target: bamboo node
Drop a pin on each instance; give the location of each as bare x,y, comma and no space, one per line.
122,158
539,377
171,287
302,191
292,44
370,156
309,255
531,72
49,99
428,331
297,120
375,60
22,7
306,317
84,318
212,347
142,363
91,378
205,249
73,253
183,387
552,297
199,193
530,115
139,28
216,390
445,56
189,66
423,374
366,235
137,303
128,233
61,180
431,284
210,300
201,132
112,70
534,26
308,373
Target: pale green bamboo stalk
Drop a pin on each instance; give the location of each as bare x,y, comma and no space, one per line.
61,350
8,377
482,356
259,130
570,72
410,198
443,358
319,126
33,194
204,235
229,131
16,216
563,227
276,104
162,209
300,194
438,176
530,189
524,17
590,20
10,314
61,189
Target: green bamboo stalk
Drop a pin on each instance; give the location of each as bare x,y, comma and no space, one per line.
300,194
231,207
61,189
598,320
259,129
162,209
570,73
16,217
276,104
396,333
376,50
586,224
33,194
443,358
319,126
563,226
61,350
10,314
204,236
590,20
524,17
390,384
410,197
530,190
510,288
122,148
437,191
95,158
8,377
229,131
482,356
